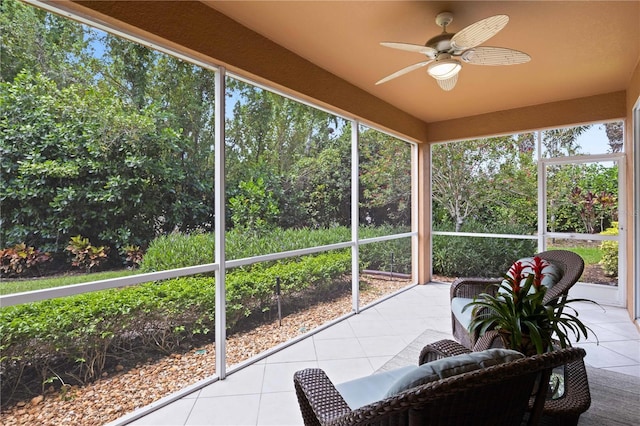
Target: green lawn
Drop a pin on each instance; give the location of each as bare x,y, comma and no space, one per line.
19,286
591,255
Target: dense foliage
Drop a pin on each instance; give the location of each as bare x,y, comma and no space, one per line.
493,181
181,250
455,256
609,249
104,138
72,339
107,139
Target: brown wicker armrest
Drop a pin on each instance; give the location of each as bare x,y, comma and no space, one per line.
471,287
490,339
319,399
441,349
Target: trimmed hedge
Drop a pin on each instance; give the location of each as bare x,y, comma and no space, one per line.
182,250
72,338
78,333
457,256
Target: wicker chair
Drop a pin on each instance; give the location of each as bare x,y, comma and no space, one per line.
570,264
563,411
496,395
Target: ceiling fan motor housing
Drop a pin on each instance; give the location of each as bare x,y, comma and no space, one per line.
441,42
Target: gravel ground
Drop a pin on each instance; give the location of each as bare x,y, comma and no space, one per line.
122,391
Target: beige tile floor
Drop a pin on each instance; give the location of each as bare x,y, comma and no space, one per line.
262,393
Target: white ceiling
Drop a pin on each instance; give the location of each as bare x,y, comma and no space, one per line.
578,48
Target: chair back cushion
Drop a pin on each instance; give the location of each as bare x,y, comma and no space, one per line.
369,389
451,366
551,273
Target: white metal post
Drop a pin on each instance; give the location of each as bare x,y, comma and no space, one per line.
415,199
542,195
219,200
355,221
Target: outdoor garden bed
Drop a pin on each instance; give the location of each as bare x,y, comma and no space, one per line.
125,388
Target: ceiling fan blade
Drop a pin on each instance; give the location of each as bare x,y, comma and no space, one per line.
486,55
417,48
404,71
478,32
449,83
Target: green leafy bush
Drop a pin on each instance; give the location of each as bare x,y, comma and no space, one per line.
177,250
392,255
254,207
238,246
73,337
455,256
78,333
77,159
252,290
609,249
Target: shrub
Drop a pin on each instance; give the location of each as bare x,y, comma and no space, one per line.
18,259
133,256
458,256
73,337
252,290
609,249
85,255
392,255
177,250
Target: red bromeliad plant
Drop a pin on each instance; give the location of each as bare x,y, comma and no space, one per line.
518,312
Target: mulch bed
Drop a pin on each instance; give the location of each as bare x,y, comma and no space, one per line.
124,389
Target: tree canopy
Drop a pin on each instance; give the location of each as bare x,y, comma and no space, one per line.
105,138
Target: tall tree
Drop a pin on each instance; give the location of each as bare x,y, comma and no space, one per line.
77,161
385,178
40,42
460,173
129,68
615,134
561,142
186,93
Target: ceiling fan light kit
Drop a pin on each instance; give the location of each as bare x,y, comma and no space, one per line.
443,50
444,69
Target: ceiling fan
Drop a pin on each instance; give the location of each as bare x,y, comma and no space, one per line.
447,51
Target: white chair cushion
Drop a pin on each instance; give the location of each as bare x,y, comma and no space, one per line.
457,304
376,387
369,389
452,366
